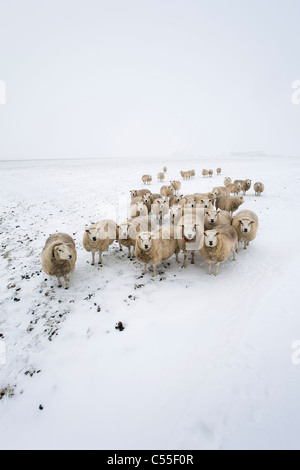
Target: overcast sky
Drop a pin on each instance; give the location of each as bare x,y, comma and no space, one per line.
94,78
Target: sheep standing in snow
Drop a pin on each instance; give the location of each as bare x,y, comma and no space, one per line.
227,181
175,213
98,238
59,257
234,188
229,203
205,173
246,224
219,171
189,232
165,169
155,247
176,185
160,208
160,176
146,179
213,218
220,191
138,192
219,243
245,185
210,173
185,175
259,188
167,191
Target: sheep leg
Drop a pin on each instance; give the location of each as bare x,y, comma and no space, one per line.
209,268
93,258
184,261
59,282
217,269
245,245
145,269
234,256
100,257
120,246
129,252
66,283
154,270
193,258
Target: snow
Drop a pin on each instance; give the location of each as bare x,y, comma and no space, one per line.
204,362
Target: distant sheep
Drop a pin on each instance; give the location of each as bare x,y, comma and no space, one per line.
99,237
189,232
245,185
176,185
138,192
227,181
234,188
219,244
160,176
210,173
165,169
219,171
229,203
213,218
59,257
185,175
220,191
246,224
146,179
155,247
259,188
205,173
167,191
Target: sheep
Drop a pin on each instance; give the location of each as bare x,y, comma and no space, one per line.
176,199
219,243
210,173
128,230
259,188
176,185
227,181
229,203
234,188
146,179
175,213
220,191
205,202
245,223
213,218
155,247
205,173
245,185
59,257
219,171
137,209
98,237
185,175
160,176
165,169
189,233
167,191
138,192
160,208
200,196
193,173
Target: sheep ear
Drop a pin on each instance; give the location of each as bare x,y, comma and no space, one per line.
218,234
251,221
87,230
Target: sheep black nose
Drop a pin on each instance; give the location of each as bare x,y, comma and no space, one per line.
245,230
94,239
211,243
146,246
70,256
212,220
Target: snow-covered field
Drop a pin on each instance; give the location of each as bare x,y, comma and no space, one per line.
204,362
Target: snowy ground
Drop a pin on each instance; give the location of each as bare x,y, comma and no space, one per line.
204,362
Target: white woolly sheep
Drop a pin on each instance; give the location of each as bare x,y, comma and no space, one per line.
59,257
229,203
205,173
234,188
176,185
160,208
246,224
128,230
98,238
259,188
227,181
189,234
213,218
210,173
146,179
219,171
138,209
245,185
219,243
138,192
155,247
175,213
160,176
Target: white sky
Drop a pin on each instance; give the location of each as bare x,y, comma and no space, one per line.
89,78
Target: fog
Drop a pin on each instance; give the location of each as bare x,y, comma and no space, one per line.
93,78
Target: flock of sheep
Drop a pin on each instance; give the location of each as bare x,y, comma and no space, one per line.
201,222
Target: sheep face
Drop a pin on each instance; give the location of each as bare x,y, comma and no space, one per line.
189,232
144,241
92,233
227,180
62,252
133,193
248,183
206,202
175,211
211,216
123,231
191,202
246,225
211,238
